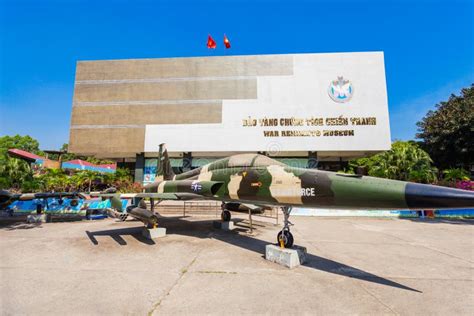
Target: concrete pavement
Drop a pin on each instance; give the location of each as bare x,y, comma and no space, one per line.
355,266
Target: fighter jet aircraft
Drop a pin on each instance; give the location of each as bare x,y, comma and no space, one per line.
252,180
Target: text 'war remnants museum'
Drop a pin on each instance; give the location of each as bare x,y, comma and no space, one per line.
307,110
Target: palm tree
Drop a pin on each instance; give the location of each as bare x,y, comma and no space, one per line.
55,180
89,177
78,179
121,178
16,170
122,174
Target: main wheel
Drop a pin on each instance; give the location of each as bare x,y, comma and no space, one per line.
226,216
287,239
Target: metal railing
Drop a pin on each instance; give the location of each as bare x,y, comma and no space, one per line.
202,208
189,208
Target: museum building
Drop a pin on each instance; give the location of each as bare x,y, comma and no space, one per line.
307,110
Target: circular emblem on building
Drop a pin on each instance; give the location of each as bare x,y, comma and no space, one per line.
340,90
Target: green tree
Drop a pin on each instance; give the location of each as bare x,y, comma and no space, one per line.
5,183
405,161
90,177
447,133
14,172
77,181
33,185
455,174
54,180
26,143
17,174
70,156
123,175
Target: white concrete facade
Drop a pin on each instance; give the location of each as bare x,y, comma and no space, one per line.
304,96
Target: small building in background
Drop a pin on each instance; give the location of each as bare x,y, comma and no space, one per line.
78,164
37,162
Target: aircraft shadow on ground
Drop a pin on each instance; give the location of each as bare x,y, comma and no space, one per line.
313,261
204,229
116,234
454,221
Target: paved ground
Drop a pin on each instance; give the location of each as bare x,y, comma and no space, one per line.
356,266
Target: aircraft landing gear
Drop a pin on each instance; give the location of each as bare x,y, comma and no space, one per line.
285,238
226,216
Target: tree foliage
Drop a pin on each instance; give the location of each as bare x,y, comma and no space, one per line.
455,174
86,181
70,156
447,133
26,143
15,172
405,161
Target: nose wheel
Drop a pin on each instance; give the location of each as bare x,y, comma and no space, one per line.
285,238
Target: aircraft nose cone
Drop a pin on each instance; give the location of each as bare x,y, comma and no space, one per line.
423,196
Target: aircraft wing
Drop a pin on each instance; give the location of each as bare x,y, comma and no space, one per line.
158,196
173,190
255,207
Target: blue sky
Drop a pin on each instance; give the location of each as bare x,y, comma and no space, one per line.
428,47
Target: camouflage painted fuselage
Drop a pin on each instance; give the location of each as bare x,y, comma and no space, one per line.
257,179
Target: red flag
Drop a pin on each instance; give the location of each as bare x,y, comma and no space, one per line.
211,43
226,42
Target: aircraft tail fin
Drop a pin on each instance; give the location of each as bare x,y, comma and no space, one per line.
164,170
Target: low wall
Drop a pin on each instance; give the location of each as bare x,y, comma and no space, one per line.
464,213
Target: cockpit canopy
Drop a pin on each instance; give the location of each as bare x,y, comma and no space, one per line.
235,161
244,160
